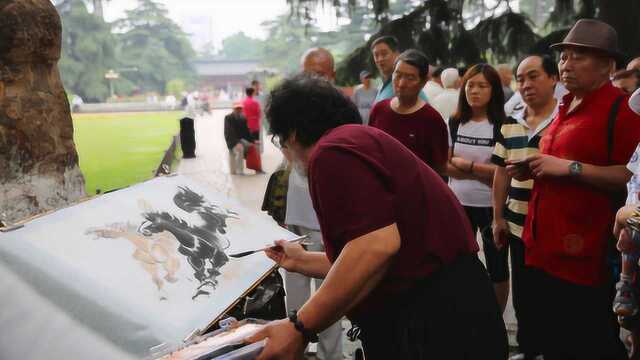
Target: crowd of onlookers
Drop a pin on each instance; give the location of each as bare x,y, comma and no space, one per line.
541,171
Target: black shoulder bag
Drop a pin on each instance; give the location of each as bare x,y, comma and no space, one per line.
618,199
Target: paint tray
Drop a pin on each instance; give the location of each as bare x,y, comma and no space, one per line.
227,344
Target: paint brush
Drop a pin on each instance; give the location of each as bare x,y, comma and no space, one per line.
245,253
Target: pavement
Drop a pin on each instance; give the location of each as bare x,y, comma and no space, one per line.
210,168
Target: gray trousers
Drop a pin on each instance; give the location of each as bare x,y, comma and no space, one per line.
298,288
236,157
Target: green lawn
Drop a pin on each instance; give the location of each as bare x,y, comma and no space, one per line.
117,150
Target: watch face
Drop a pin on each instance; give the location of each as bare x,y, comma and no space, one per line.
575,168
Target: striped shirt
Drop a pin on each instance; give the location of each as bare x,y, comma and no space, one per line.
517,141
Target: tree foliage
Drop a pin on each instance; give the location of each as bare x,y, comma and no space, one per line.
176,87
146,47
290,35
462,32
505,35
154,45
287,39
88,51
239,46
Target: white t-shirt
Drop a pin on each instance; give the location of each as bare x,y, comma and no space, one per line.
474,142
300,209
432,89
364,100
633,186
446,103
634,101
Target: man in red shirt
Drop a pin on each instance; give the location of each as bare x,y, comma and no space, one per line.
569,222
410,119
400,259
251,109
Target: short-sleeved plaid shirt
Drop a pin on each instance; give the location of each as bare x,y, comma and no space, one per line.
516,141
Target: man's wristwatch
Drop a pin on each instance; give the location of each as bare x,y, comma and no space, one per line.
307,335
575,168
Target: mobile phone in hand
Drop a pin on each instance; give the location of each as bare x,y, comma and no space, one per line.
519,162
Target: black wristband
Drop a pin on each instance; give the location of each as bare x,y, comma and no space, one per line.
307,335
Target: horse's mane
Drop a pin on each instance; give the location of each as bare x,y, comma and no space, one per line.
187,198
154,216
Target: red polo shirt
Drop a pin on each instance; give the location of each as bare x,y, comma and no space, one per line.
361,180
251,110
570,222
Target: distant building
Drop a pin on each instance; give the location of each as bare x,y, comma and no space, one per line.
228,75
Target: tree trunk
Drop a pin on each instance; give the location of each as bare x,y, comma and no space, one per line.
38,160
622,15
563,13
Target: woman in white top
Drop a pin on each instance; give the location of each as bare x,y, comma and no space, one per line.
480,113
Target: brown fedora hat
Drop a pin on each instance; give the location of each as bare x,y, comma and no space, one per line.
592,34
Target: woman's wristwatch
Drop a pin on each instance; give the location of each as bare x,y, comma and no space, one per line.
307,335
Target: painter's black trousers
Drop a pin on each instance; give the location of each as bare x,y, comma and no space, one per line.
451,315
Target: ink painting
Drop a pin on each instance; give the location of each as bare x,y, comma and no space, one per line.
162,238
150,260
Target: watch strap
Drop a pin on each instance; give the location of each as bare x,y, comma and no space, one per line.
307,335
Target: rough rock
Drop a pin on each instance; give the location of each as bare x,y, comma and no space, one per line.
38,160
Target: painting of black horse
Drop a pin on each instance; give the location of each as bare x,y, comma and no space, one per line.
202,244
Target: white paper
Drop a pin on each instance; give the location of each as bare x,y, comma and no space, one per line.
107,265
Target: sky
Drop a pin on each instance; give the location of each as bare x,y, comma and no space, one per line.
213,20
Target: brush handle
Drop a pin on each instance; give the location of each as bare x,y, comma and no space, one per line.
243,254
298,239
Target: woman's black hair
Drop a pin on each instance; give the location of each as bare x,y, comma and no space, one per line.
308,106
495,107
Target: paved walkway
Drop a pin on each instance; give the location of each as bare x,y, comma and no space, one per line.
211,165
211,169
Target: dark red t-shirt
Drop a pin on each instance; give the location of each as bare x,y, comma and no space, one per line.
423,132
569,222
361,180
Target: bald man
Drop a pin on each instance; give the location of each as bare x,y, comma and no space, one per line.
301,218
319,61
